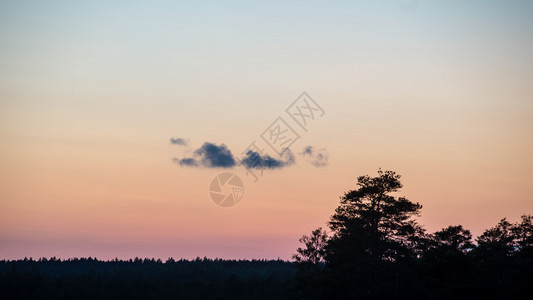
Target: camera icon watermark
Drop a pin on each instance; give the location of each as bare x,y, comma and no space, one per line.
226,189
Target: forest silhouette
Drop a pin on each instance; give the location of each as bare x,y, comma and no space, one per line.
374,249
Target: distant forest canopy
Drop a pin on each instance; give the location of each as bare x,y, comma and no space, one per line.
375,249
200,269
89,278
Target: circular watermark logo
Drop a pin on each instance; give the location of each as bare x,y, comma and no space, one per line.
226,189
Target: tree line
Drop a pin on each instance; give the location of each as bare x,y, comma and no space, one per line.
90,278
374,248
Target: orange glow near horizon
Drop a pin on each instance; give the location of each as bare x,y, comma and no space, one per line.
89,99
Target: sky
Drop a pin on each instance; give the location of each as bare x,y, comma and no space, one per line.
92,92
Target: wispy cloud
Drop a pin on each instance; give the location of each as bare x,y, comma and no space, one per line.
314,156
253,160
178,141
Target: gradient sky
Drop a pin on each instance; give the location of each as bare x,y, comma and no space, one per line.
91,91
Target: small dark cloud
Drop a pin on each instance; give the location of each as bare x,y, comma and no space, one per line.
316,157
178,141
214,156
254,160
191,162
210,156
